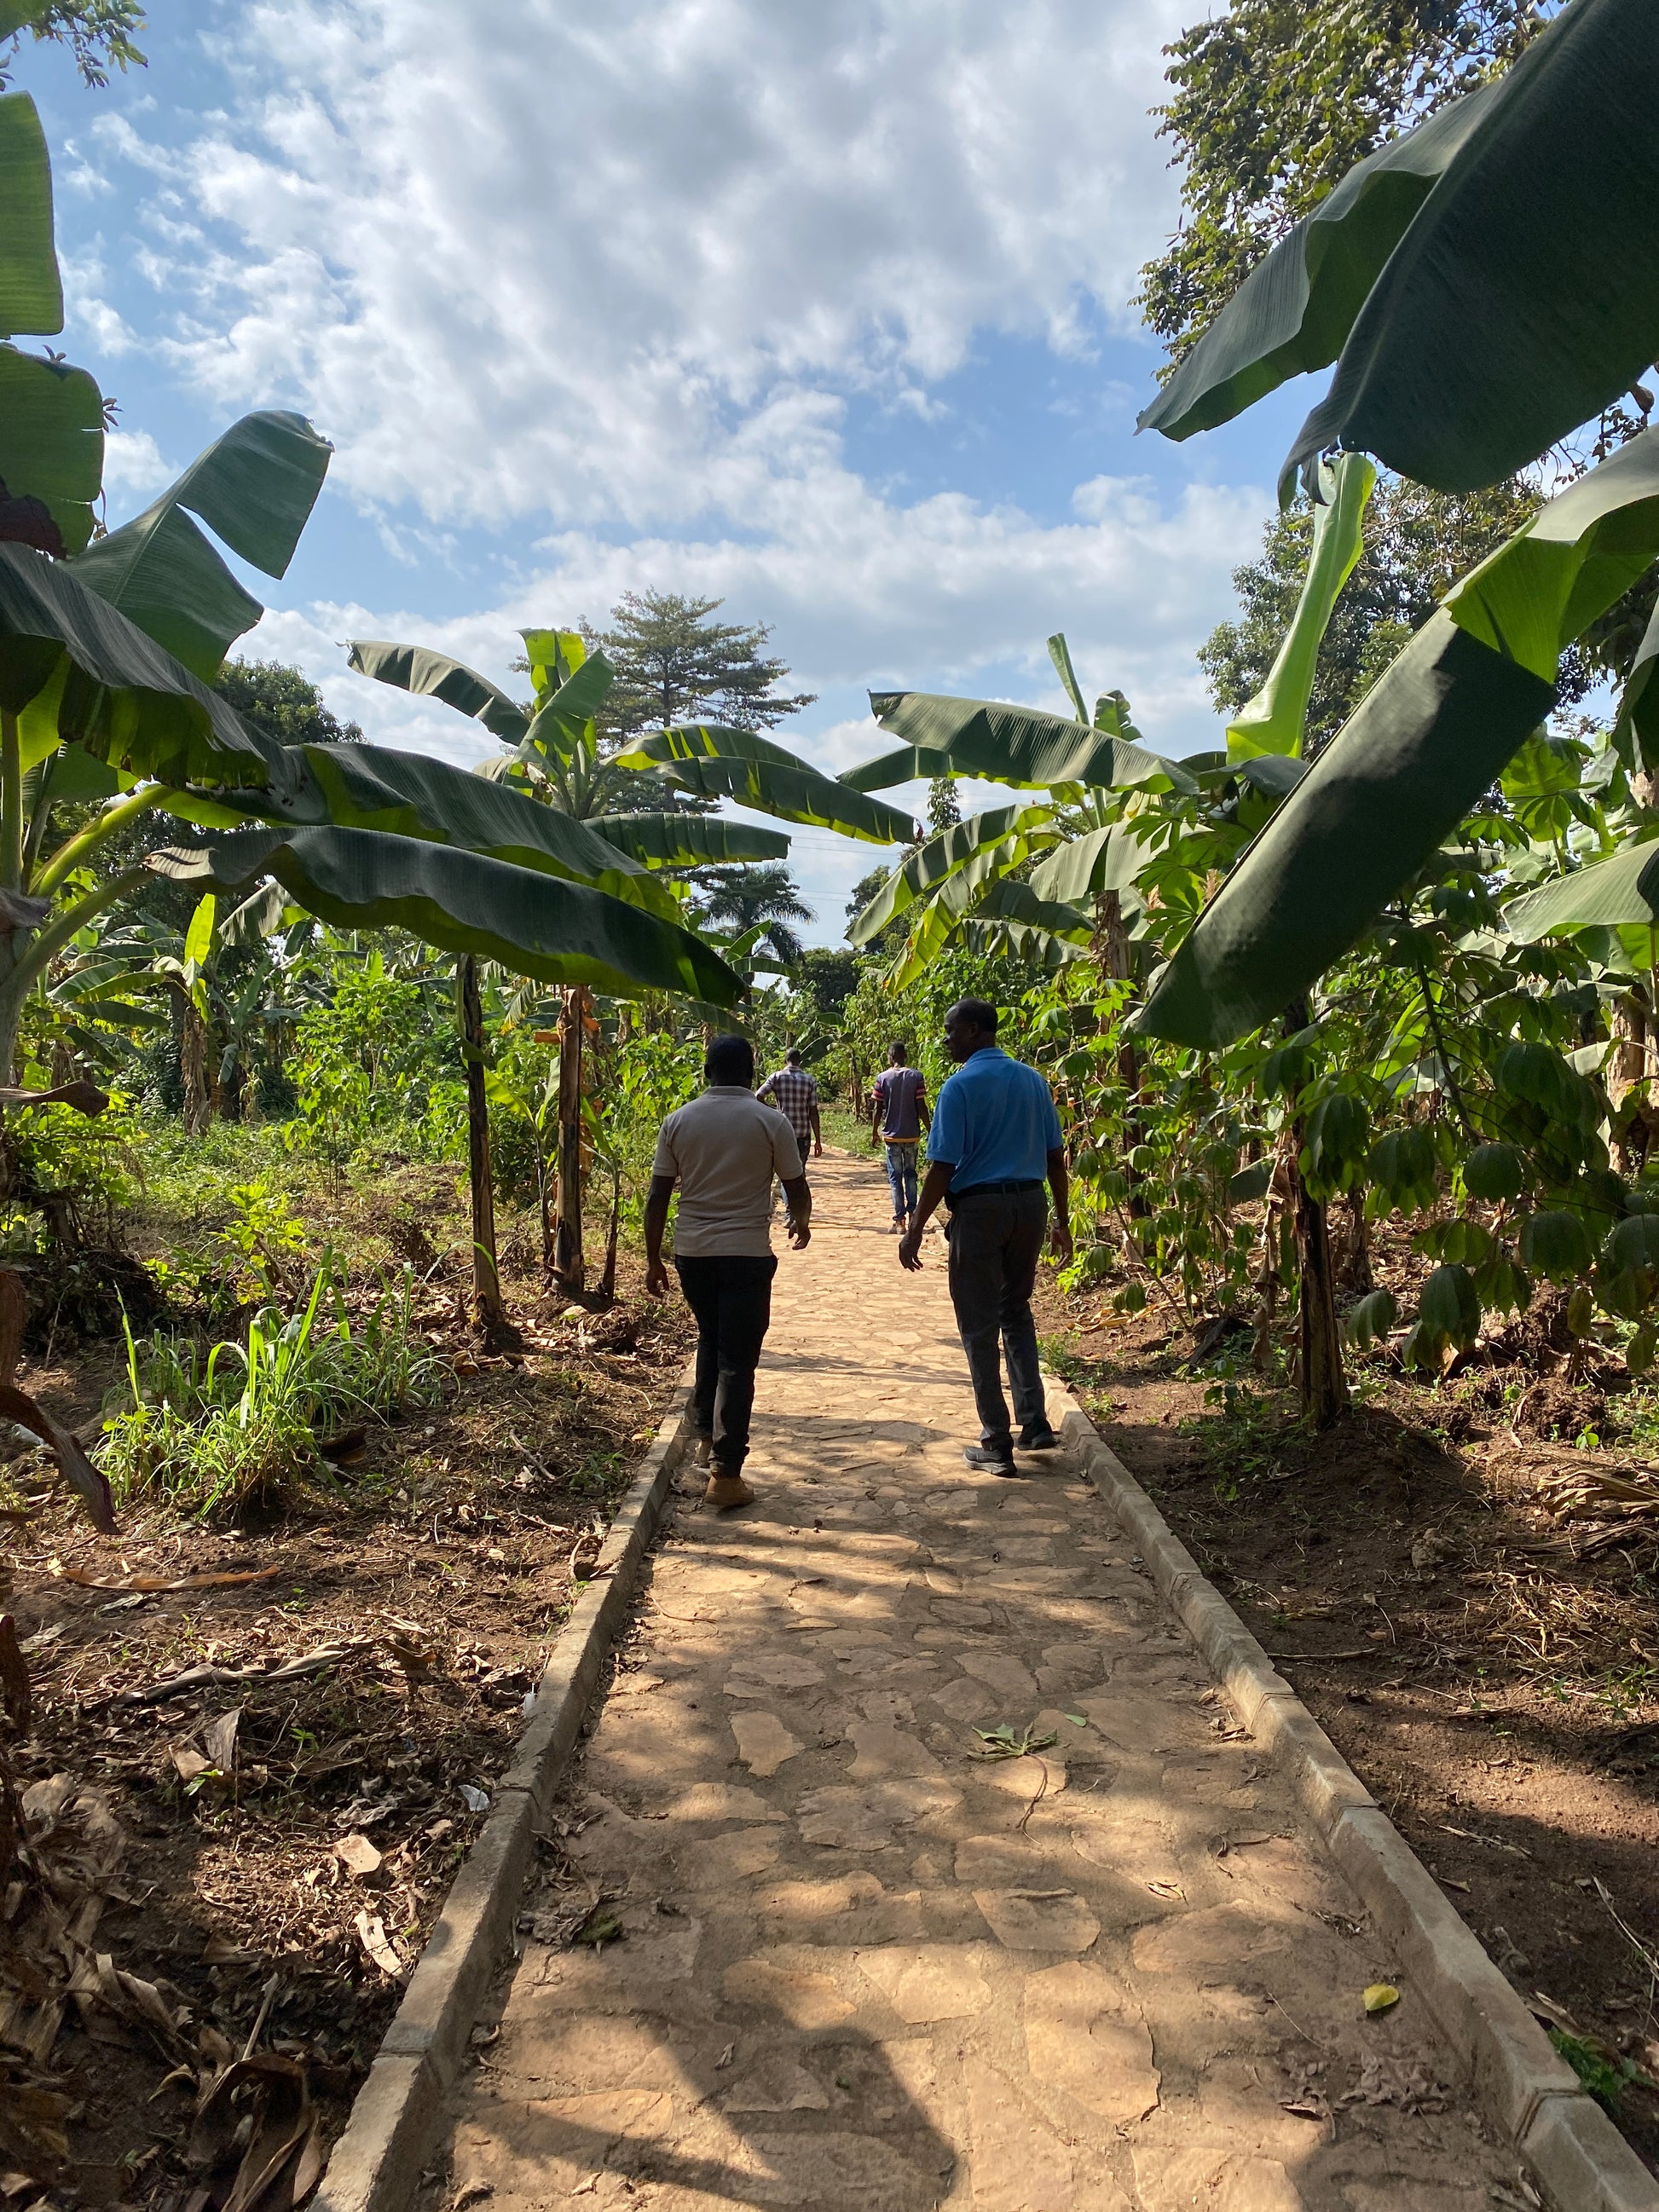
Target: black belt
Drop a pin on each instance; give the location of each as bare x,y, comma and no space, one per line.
980,1190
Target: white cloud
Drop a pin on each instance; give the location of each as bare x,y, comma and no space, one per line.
133,465
605,284
605,264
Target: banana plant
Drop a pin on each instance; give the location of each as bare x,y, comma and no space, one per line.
1439,726
1485,283
556,765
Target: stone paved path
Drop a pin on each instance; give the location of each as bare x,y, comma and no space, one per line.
864,1968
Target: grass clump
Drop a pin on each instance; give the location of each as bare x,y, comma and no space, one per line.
220,1427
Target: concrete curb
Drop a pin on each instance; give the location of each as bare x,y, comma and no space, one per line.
1574,2152
377,2163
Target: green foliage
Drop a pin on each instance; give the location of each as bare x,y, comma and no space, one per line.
1337,1134
1602,2074
675,663
1417,543
265,1234
99,33
1272,106
1556,1244
288,706
238,1424
377,1066
649,1076
1495,1173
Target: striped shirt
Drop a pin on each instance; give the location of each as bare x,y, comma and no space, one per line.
795,1093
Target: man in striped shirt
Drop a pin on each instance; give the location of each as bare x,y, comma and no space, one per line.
795,1094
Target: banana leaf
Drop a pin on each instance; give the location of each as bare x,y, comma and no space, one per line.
1295,308
1101,861
792,792
684,741
1274,721
1422,746
1440,723
357,786
907,765
1020,940
977,895
1636,732
673,840
1615,894
417,669
1019,745
255,487
1580,552
563,717
1524,296
31,290
73,668
931,863
533,924
52,441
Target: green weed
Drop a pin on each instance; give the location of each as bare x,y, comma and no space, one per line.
1601,2074
217,1429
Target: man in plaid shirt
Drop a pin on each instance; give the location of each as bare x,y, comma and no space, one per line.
795,1094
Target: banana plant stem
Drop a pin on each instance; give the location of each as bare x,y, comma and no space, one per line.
70,855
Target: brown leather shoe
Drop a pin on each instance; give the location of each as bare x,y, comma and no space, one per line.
727,1491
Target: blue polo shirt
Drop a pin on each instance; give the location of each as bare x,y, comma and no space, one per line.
994,1121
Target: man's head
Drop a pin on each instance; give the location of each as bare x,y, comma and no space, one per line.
970,1025
793,1056
898,1053
729,1063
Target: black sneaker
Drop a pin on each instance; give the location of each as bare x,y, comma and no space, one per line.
1041,1439
990,1462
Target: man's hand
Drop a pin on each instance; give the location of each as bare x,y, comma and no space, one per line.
799,1233
910,1250
656,1280
1060,1241
818,1148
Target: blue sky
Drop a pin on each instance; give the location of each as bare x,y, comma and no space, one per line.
823,312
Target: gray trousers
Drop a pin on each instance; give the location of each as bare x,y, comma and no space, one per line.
995,1241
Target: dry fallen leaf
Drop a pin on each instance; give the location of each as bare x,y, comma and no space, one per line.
358,1857
218,1740
371,1934
1380,1996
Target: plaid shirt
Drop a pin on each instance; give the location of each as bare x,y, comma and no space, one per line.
796,1094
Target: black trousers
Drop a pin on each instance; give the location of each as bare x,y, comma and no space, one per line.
731,1296
995,1242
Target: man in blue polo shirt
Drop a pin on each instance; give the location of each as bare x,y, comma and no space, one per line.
996,1137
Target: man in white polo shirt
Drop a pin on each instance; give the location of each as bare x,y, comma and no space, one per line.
723,1151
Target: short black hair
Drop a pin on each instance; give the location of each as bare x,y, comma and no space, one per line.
898,1052
730,1059
978,1013
793,1053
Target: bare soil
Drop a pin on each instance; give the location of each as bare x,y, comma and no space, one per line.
1489,1670
252,1865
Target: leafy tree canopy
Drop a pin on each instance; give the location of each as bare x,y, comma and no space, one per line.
1273,101
284,704
675,663
99,33
740,898
827,978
